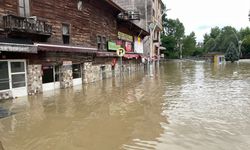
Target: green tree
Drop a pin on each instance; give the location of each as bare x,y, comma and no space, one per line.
189,44
173,33
232,53
245,38
228,35
219,39
210,45
169,43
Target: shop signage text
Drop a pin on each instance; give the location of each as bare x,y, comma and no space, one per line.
125,37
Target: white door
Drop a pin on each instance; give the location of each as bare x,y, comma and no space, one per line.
17,72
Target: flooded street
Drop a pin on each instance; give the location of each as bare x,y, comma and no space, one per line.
183,106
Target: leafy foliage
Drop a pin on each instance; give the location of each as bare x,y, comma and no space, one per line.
189,44
232,53
220,40
173,33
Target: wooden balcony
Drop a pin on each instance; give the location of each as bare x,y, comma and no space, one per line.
25,25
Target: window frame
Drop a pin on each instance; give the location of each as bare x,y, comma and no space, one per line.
102,42
25,8
66,37
77,5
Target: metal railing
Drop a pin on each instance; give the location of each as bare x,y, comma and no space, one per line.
28,25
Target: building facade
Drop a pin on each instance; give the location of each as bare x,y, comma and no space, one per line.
151,12
47,45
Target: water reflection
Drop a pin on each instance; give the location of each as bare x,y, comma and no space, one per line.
179,105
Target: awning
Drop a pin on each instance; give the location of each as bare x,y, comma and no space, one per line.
106,54
129,56
22,48
64,48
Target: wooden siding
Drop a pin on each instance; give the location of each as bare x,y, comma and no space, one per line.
96,18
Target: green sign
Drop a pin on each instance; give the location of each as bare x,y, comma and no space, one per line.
112,46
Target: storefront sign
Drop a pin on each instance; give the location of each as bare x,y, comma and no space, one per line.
128,47
24,48
67,63
113,46
125,37
138,45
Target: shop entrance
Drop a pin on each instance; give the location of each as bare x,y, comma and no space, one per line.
77,74
13,77
51,75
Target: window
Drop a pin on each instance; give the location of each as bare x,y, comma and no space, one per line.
57,73
4,76
80,5
24,8
153,12
18,74
101,42
18,80
65,33
51,74
48,74
104,43
17,67
76,71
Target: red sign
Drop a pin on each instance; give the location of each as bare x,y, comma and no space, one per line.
119,42
128,47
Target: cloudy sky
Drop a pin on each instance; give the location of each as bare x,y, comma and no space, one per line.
200,15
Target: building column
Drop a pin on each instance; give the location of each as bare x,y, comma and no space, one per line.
66,78
35,81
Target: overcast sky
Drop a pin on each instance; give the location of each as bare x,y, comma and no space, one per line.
200,15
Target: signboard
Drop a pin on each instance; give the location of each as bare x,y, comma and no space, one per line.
138,45
113,46
120,52
24,48
128,47
67,63
125,37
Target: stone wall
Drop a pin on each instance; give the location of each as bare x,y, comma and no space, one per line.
5,95
93,73
35,79
66,76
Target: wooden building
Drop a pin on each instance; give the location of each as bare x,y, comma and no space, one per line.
45,45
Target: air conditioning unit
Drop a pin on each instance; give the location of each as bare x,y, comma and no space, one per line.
134,15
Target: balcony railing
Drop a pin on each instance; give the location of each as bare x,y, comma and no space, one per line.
26,25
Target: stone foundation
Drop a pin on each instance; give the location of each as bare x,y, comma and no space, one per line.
35,79
66,76
6,95
93,73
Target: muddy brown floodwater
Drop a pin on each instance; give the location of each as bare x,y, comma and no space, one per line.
182,105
